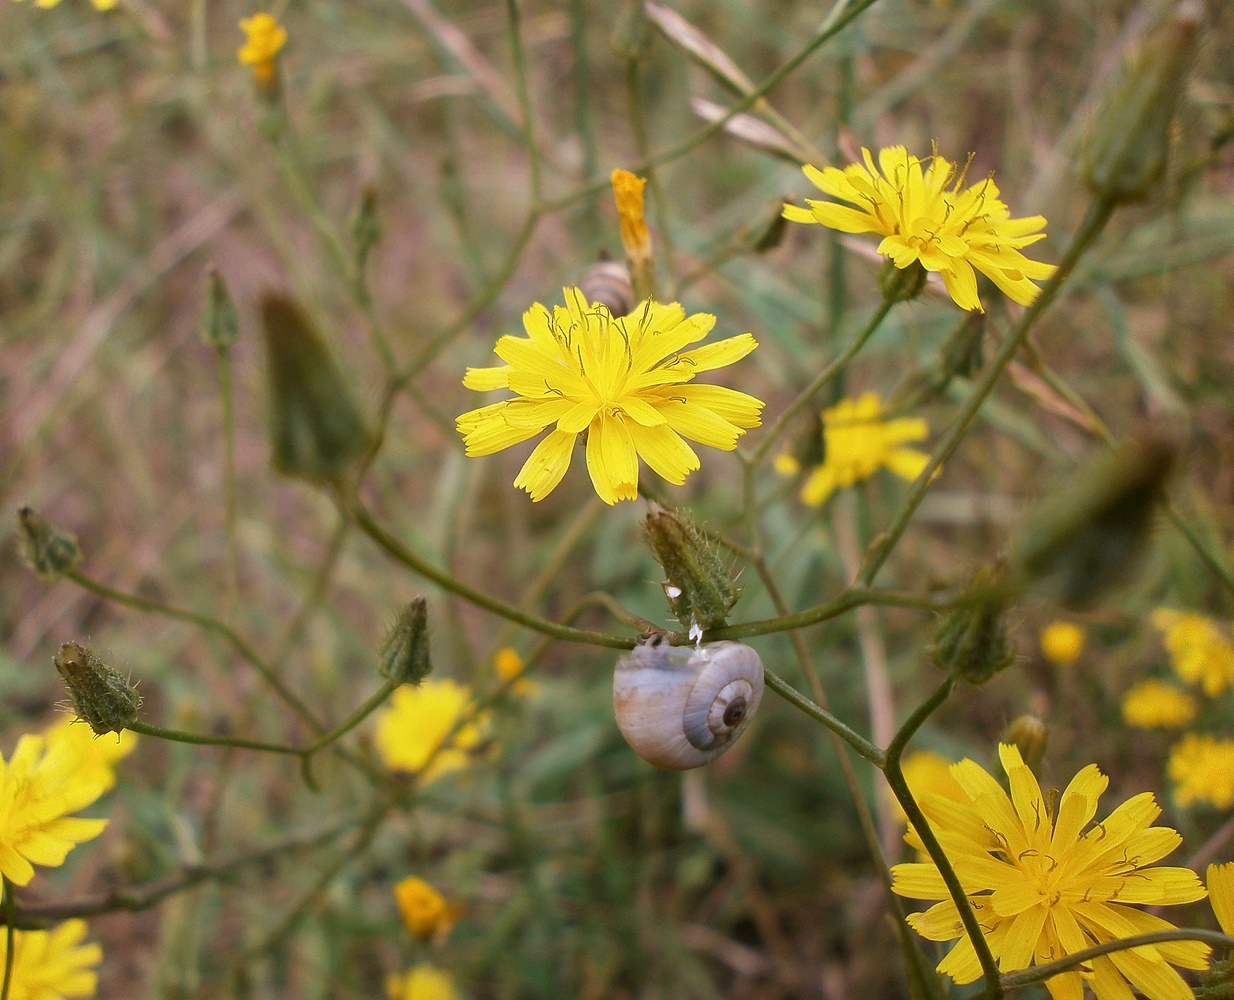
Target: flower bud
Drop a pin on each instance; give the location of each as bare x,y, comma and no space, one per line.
405,653
962,351
220,324
1028,733
899,284
1127,151
316,429
699,588
1090,531
100,695
972,642
635,237
46,550
366,226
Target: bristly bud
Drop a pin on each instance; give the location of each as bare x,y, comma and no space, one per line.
316,429
962,352
972,642
1089,532
366,226
900,284
631,34
220,324
1028,733
46,550
1218,982
405,654
699,588
100,695
1127,152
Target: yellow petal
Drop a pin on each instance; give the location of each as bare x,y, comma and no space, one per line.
546,465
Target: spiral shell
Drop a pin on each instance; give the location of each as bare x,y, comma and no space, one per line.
608,282
679,706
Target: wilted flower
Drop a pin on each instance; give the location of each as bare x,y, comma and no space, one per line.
950,230
625,382
264,39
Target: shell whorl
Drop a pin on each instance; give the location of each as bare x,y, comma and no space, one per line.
681,707
608,282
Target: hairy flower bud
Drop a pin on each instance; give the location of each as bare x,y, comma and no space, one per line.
405,653
366,226
1089,532
100,695
972,642
220,323
316,429
1028,733
699,588
1127,151
900,284
46,550
962,351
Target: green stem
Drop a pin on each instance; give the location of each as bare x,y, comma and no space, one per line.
229,476
10,914
850,736
202,739
524,99
1098,215
359,715
659,203
820,380
851,598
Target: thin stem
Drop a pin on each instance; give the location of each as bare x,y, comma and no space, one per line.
210,624
850,736
1098,215
851,598
820,380
229,477
204,739
524,99
638,126
359,715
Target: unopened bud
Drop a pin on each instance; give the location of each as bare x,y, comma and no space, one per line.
1028,733
316,429
366,226
1218,982
1127,152
973,642
962,352
46,550
220,324
99,693
1089,532
699,588
900,284
405,653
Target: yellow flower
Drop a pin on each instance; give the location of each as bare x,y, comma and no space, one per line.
424,982
424,910
264,38
412,730
1220,879
1202,769
96,756
1154,705
509,665
947,230
928,773
51,965
1045,883
44,781
857,442
1062,643
621,381
1200,650
98,4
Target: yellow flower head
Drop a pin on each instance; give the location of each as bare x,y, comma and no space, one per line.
412,729
857,442
1154,705
509,665
1062,643
49,965
46,779
1045,883
424,982
626,382
96,757
1202,769
949,230
264,37
1220,879
1200,650
425,911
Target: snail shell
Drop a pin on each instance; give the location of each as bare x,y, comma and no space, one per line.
608,282
680,706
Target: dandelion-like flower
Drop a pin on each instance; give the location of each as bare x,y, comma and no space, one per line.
52,964
1044,883
425,911
1202,769
625,382
510,666
1200,650
1062,643
857,442
47,778
926,216
424,982
412,730
1154,705
264,38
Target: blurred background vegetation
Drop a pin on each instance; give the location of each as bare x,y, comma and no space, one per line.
134,158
